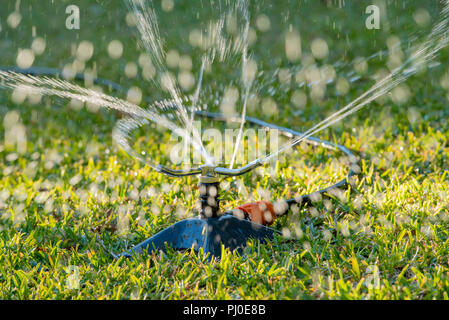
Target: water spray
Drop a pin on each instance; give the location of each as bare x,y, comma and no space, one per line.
232,229
213,227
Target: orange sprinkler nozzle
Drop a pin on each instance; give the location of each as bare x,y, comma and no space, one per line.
261,212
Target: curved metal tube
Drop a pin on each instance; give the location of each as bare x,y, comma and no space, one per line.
238,171
217,170
177,173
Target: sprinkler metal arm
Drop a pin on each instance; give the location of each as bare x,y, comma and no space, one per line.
177,173
214,170
238,171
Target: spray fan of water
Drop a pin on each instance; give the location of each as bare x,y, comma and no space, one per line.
223,42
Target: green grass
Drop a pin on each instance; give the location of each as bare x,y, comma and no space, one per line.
386,238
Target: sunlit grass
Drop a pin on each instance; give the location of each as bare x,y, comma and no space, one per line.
68,185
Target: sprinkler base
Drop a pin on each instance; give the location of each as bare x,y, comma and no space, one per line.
208,234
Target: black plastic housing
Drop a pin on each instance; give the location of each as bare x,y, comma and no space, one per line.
208,234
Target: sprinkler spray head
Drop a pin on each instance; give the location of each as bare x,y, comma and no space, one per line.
232,228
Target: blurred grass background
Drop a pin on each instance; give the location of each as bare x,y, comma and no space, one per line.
387,238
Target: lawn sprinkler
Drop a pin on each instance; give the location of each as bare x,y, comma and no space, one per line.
213,228
233,228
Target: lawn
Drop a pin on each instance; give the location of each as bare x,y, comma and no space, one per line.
67,187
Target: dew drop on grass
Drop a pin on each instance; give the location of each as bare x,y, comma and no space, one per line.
319,48
280,207
228,102
286,233
68,72
19,95
134,95
284,76
269,107
252,36
264,194
131,19
76,104
181,212
131,70
25,58
342,86
4,195
34,98
328,74
12,157
166,187
38,46
123,220
315,197
134,195
249,71
307,246
344,228
148,72
421,17
155,210
85,51
263,23
172,58
13,20
186,80
185,62
360,65
115,49
167,81
328,205
293,45
19,214
414,115
313,212
15,134
400,94
327,235
195,38
167,5
317,93
78,65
